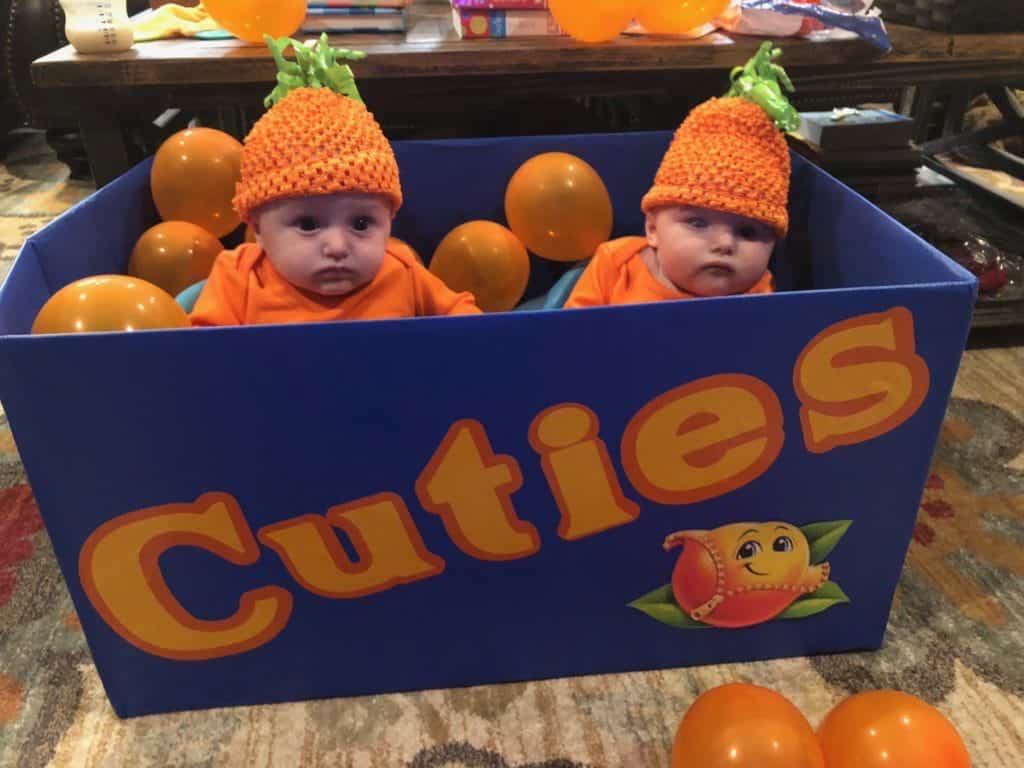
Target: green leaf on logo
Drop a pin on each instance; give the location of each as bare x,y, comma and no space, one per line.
655,597
823,537
826,596
660,605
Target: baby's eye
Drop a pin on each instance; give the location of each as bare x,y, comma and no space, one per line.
748,232
307,223
748,550
362,223
697,222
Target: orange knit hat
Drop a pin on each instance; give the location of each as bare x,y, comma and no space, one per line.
315,142
728,156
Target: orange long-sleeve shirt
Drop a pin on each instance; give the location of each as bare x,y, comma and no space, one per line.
245,289
618,275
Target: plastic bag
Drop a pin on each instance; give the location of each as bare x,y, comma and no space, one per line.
792,18
985,244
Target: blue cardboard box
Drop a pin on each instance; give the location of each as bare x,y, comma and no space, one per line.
262,514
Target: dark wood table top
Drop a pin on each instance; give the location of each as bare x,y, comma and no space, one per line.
177,62
408,78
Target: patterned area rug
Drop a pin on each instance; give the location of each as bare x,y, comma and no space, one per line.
34,187
955,635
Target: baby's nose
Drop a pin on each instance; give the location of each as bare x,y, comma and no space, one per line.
335,245
724,239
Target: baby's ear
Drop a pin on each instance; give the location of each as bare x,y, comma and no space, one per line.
254,226
651,230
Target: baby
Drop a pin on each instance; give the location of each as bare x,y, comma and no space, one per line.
714,214
319,185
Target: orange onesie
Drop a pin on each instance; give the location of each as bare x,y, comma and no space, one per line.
245,289
618,275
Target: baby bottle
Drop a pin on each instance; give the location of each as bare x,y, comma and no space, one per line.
97,26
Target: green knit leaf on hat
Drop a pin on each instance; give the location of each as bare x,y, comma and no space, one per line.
317,67
762,81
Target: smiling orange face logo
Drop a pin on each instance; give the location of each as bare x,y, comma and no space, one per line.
744,573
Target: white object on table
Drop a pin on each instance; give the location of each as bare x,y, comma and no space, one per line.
97,26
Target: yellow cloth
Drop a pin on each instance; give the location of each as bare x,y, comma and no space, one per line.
172,20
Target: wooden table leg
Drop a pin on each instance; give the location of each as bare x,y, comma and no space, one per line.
921,111
104,146
956,106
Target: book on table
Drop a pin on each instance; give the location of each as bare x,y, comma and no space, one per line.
498,23
506,5
857,128
340,20
359,3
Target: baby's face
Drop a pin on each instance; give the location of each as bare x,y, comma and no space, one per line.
709,253
327,244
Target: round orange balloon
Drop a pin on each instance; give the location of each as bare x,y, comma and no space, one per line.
593,21
883,729
174,255
745,726
109,303
675,17
558,206
249,20
487,260
193,179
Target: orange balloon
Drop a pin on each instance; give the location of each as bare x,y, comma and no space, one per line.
592,21
487,260
745,726
675,17
558,206
109,303
193,179
889,729
174,255
249,20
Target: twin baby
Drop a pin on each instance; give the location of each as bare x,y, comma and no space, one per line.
319,186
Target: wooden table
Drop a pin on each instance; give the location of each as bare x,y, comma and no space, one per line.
406,80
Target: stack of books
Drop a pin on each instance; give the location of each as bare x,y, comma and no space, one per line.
503,18
337,17
869,150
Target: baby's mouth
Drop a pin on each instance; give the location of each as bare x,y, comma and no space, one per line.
333,273
719,268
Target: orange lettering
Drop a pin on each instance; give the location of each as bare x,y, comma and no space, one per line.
579,471
859,379
390,548
703,439
120,572
471,489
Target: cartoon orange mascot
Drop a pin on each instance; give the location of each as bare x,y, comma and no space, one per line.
744,573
